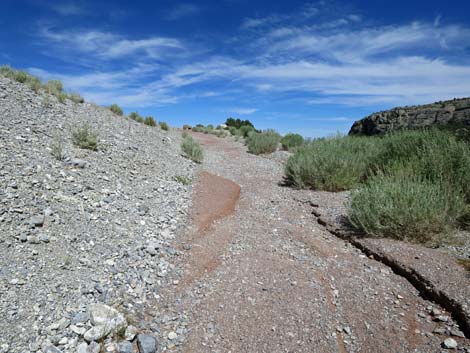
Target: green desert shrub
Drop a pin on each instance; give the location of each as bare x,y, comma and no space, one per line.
6,71
182,179
263,142
332,164
236,132
134,116
61,97
21,76
432,154
199,128
54,87
76,98
116,109
164,126
237,123
290,141
34,83
84,137
150,121
184,134
245,130
57,146
192,149
409,185
219,133
406,207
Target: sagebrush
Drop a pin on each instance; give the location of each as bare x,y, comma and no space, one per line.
192,149
85,137
262,142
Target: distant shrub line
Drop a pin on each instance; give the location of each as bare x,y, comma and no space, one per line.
52,87
55,88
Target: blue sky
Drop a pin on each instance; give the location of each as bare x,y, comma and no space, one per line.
307,67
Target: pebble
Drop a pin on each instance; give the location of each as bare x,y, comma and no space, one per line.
130,333
82,348
94,347
125,347
37,221
450,343
146,343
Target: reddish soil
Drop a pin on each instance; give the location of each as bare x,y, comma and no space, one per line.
264,276
214,197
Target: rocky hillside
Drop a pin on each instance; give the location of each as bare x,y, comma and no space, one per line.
454,112
93,227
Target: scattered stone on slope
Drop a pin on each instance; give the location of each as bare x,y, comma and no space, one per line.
70,231
146,343
450,343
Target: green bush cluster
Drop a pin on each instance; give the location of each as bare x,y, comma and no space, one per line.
150,121
291,141
262,142
164,126
192,149
116,109
182,179
85,137
136,117
53,87
237,123
331,164
76,98
411,185
209,129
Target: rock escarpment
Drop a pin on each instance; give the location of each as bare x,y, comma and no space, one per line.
453,112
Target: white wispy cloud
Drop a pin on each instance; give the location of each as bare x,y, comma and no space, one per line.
242,111
351,45
107,45
183,10
68,8
339,60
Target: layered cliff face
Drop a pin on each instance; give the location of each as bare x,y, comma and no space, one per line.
452,112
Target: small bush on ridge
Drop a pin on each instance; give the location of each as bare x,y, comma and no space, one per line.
116,109
164,125
150,121
76,98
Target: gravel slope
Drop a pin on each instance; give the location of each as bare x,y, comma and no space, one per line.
92,228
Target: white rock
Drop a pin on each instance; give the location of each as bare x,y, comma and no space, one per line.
130,333
82,348
450,343
101,314
96,333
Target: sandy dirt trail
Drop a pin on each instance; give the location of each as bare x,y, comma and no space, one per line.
260,275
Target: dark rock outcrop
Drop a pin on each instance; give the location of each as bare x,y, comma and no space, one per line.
454,112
